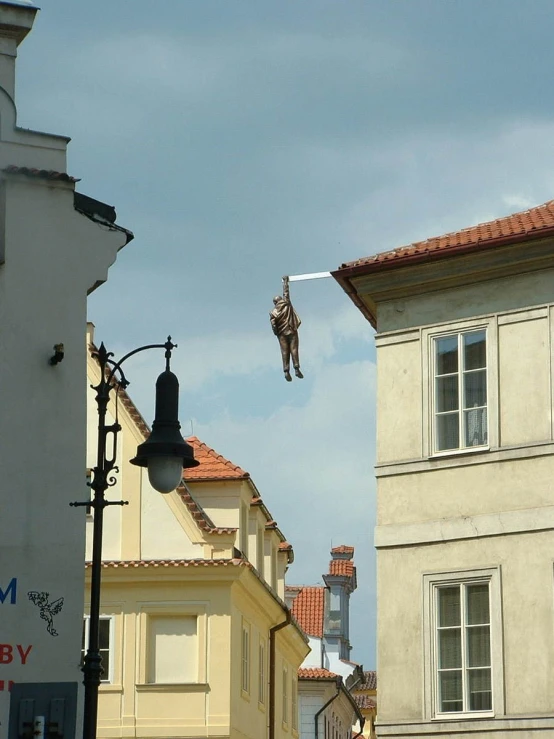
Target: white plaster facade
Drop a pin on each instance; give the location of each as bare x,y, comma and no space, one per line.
455,520
51,256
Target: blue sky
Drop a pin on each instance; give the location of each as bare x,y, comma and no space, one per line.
245,140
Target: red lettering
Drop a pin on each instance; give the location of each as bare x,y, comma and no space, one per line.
2,683
23,653
6,654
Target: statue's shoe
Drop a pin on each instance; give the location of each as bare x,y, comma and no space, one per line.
288,378
298,373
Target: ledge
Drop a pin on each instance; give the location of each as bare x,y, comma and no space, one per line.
462,728
172,687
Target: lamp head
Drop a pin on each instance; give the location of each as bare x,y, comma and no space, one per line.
165,453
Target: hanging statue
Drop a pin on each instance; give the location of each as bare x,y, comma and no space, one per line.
285,322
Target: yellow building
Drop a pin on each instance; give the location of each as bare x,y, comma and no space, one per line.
365,695
196,639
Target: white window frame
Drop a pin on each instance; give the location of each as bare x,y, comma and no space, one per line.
294,704
245,659
107,678
429,335
285,696
262,660
433,581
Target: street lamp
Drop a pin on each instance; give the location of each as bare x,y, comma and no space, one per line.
165,453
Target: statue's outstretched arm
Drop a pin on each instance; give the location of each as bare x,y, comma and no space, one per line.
286,295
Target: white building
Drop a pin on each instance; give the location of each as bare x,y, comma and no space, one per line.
55,248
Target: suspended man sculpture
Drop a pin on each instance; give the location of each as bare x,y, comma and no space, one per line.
285,322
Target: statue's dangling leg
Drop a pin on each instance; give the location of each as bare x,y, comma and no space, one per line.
294,352
285,355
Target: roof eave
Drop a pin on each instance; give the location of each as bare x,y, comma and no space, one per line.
347,272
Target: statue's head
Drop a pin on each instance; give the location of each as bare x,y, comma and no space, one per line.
277,299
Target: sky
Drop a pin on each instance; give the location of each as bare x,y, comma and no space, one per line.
244,140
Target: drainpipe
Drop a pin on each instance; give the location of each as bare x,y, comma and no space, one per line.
272,632
333,698
361,731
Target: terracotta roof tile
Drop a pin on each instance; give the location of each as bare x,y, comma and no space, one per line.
130,564
370,681
308,609
285,546
342,549
43,174
528,224
213,466
316,673
364,701
342,567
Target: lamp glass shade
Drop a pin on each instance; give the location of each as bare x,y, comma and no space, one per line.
165,473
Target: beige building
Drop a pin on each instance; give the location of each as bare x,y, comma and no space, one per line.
465,468
195,636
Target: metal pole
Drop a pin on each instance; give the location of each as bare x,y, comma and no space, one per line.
92,666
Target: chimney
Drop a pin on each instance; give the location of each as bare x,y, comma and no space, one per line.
16,20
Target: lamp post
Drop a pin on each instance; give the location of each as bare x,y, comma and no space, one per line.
164,453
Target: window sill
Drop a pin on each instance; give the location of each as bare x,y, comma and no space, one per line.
463,716
172,687
110,688
456,452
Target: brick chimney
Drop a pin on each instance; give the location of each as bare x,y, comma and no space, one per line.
16,20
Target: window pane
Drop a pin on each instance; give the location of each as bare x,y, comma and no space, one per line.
448,432
449,606
480,694
475,350
478,603
475,388
447,393
451,691
478,647
105,654
475,423
104,633
450,648
447,355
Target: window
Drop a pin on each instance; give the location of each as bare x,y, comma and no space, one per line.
460,390
285,695
261,672
105,639
173,649
245,672
465,660
294,704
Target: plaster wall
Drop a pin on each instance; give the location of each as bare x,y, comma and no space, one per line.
526,639
53,257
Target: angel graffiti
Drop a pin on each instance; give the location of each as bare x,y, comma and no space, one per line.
47,609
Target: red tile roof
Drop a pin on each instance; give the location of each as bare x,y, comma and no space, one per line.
125,564
308,609
213,466
529,224
370,681
364,702
341,567
316,673
44,174
342,549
